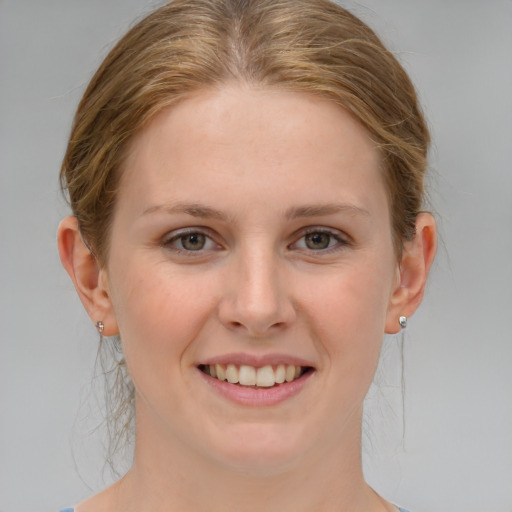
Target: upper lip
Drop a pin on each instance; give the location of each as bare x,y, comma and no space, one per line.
258,361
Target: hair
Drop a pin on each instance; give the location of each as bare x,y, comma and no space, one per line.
310,46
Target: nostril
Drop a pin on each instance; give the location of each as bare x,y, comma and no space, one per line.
257,330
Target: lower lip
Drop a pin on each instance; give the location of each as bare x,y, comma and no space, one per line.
257,397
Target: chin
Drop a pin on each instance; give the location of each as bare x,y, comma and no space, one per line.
260,450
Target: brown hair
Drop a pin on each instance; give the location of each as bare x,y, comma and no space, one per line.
301,45
311,46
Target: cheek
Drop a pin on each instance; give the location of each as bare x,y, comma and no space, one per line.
348,312
159,314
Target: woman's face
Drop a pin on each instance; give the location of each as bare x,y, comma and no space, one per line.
252,235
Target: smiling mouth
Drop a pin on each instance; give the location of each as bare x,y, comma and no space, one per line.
250,376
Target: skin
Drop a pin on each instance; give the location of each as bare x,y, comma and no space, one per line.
254,170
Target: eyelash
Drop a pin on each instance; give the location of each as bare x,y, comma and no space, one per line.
340,241
168,242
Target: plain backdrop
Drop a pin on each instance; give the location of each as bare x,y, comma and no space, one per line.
453,450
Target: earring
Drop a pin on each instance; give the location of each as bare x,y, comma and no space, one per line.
403,322
100,326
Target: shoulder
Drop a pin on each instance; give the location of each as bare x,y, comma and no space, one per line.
101,502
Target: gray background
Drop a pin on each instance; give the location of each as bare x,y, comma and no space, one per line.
455,453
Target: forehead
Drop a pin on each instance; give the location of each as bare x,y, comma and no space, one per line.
221,139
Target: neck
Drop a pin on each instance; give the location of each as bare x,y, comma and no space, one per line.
168,476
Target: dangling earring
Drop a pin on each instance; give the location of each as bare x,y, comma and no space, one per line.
100,326
403,322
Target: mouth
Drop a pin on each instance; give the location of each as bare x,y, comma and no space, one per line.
268,376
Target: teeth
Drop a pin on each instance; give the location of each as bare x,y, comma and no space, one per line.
231,374
290,373
265,377
219,370
245,375
280,374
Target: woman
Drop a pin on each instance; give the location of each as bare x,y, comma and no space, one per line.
246,181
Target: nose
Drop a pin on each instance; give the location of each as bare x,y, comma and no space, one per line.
258,299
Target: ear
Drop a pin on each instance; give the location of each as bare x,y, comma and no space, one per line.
418,255
89,279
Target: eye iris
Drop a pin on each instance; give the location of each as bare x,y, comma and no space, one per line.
318,240
193,241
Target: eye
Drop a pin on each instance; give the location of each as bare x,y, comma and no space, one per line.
319,240
190,241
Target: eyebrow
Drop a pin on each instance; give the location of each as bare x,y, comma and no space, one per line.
324,209
296,212
192,209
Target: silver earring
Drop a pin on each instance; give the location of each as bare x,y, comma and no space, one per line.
403,322
100,326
